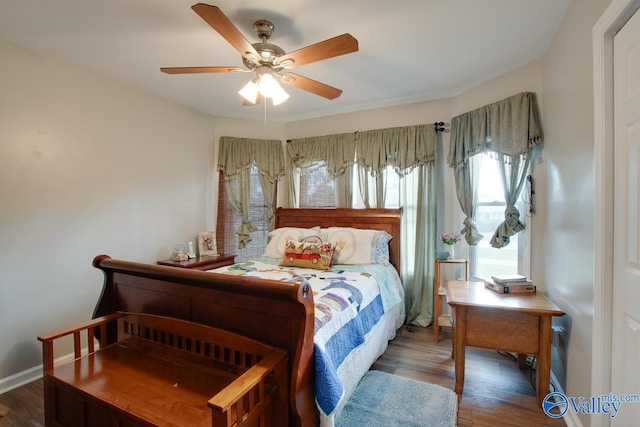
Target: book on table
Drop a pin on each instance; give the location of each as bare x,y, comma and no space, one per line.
511,288
509,278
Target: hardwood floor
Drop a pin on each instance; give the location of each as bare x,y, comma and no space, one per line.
496,392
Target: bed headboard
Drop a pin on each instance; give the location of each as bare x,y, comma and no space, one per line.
374,219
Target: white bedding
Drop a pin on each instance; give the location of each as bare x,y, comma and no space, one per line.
369,298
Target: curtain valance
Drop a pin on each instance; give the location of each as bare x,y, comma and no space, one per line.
237,154
511,127
335,151
403,148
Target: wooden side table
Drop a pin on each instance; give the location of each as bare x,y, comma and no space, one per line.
520,323
440,319
204,262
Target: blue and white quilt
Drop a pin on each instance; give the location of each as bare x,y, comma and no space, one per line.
349,302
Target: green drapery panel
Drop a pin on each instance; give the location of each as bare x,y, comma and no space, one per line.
336,152
510,127
235,158
411,152
418,195
402,148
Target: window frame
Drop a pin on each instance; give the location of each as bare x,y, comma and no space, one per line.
524,238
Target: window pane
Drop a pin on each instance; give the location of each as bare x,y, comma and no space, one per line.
317,189
487,260
229,221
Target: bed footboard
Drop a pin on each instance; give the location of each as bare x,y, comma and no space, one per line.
274,313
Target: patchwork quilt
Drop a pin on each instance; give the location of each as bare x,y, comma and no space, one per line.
349,301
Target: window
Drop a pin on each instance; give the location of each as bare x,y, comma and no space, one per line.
485,259
229,221
317,189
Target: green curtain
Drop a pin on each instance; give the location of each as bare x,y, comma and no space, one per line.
418,193
410,151
235,158
510,127
336,152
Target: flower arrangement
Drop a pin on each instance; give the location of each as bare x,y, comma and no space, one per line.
450,238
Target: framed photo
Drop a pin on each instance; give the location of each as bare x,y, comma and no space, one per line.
207,243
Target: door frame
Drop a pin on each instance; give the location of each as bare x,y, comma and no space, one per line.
614,18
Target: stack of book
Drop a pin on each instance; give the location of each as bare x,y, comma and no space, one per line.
510,284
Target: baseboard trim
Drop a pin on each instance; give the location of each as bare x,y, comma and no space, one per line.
32,374
570,417
21,378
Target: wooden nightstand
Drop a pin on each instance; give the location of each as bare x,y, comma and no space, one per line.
205,262
440,319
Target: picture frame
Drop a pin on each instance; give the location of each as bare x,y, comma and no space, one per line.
207,245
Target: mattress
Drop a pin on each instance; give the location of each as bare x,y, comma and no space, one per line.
357,311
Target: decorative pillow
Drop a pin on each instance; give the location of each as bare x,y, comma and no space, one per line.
310,254
380,251
353,245
278,239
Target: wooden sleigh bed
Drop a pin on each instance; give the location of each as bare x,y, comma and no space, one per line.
276,314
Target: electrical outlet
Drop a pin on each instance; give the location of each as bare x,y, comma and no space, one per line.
556,336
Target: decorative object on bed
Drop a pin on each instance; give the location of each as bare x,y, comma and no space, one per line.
278,239
207,243
353,246
308,254
382,400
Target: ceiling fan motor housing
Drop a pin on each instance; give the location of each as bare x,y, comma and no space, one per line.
264,29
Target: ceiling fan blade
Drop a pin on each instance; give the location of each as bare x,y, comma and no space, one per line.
193,70
219,22
336,46
310,85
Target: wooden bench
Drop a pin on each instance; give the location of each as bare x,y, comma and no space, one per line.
163,371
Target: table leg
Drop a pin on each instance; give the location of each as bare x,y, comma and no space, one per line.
543,365
459,338
522,361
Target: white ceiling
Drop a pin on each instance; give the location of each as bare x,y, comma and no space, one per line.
409,50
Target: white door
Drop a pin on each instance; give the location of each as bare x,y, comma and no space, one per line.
625,375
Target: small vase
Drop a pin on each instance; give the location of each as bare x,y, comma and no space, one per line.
452,251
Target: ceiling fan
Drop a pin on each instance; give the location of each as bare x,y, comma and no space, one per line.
269,61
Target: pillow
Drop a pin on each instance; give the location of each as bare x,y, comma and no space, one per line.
278,239
353,245
310,254
380,251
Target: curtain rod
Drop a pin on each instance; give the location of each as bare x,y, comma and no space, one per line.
441,126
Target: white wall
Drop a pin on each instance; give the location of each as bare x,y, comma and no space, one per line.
88,166
563,259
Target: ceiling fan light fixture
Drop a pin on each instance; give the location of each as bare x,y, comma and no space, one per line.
269,87
279,96
250,91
